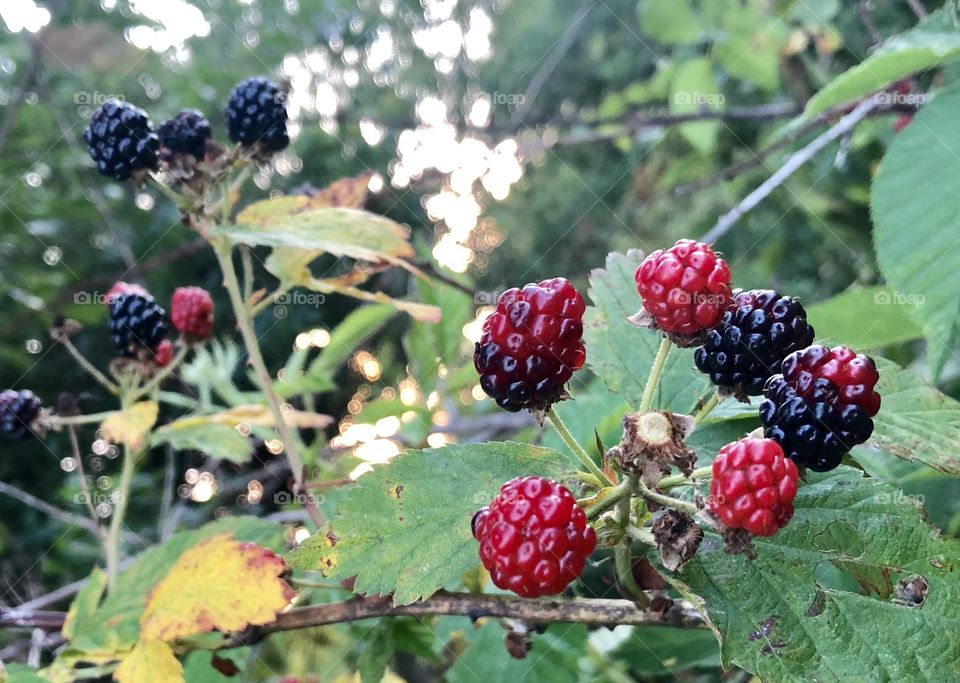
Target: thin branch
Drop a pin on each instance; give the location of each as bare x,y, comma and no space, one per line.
798,159
48,509
84,484
917,8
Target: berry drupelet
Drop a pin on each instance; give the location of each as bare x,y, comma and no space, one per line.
821,404
18,412
121,140
753,337
534,538
186,133
686,289
531,345
257,114
136,322
753,486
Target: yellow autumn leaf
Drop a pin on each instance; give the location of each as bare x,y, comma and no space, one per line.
150,662
220,584
131,425
253,415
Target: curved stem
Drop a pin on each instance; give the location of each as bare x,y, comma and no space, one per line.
675,480
653,379
161,375
577,449
675,503
119,513
88,366
84,484
609,501
70,420
244,322
707,408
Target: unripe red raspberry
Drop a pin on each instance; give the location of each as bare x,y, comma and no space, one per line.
686,288
164,353
191,311
531,345
753,486
534,538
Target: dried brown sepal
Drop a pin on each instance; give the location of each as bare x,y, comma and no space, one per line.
654,442
64,328
647,576
678,537
738,393
739,542
518,643
540,414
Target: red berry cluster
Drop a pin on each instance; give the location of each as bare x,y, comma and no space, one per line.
686,288
753,486
191,311
531,345
534,538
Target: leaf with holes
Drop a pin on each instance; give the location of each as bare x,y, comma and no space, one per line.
621,354
405,527
857,587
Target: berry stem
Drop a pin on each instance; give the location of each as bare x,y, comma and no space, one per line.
643,535
706,408
90,418
622,554
85,485
119,512
162,374
290,441
572,444
610,500
675,503
675,480
654,377
88,366
168,192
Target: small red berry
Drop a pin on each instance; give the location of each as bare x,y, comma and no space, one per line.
125,288
192,312
531,345
686,288
534,538
753,486
164,353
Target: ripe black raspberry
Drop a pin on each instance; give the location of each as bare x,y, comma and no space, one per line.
185,133
821,405
531,345
753,337
534,538
136,322
257,113
121,140
18,411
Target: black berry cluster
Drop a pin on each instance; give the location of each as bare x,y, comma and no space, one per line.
185,133
752,339
18,412
121,140
257,115
136,322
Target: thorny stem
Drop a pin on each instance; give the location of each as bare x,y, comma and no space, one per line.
88,366
577,449
675,480
653,380
244,322
707,408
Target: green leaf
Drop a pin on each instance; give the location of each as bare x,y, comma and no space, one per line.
666,651
669,21
81,616
621,354
338,231
694,88
818,603
865,318
553,656
915,221
933,42
214,439
750,44
353,330
405,527
916,422
378,649
428,345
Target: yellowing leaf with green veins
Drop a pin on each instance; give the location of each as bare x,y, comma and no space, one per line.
220,584
150,662
131,425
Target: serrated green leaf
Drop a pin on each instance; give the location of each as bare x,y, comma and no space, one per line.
378,648
338,231
915,221
916,422
666,651
216,440
786,615
931,43
405,527
553,656
621,354
865,318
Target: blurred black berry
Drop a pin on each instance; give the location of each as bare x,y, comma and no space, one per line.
136,322
185,133
121,140
18,411
257,113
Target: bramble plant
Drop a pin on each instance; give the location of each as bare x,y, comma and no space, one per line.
692,455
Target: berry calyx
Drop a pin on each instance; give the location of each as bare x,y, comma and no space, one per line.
753,486
122,287
136,323
186,133
534,538
257,115
821,404
686,288
121,140
753,337
191,311
531,345
18,413
164,353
